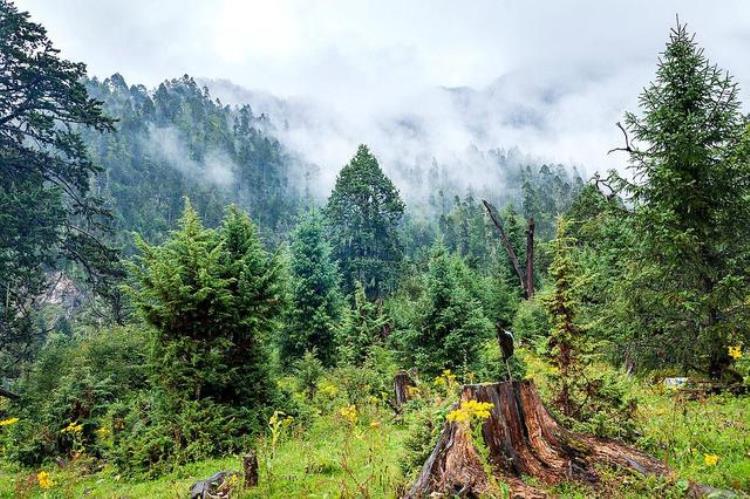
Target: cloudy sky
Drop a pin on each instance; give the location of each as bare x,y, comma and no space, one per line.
567,68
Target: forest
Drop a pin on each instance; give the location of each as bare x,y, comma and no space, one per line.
183,314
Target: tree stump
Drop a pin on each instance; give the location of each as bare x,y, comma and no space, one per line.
250,468
401,384
521,438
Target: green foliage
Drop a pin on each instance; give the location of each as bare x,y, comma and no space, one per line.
591,400
308,371
48,212
362,328
316,303
364,211
214,298
75,381
451,324
685,284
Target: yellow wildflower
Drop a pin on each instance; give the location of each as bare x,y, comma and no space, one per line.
73,427
349,413
102,432
470,410
735,352
375,424
44,480
9,421
710,459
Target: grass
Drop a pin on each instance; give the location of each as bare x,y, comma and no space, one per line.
340,455
330,458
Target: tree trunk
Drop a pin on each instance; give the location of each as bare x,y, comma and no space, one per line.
401,384
508,247
521,439
250,468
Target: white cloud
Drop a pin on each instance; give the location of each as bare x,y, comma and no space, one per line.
548,77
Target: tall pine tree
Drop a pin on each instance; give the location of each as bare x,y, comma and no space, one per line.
316,300
691,184
364,211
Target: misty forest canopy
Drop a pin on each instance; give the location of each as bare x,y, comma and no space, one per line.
164,254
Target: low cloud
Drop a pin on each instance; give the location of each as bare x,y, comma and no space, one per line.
165,144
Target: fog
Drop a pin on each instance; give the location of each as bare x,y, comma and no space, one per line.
416,81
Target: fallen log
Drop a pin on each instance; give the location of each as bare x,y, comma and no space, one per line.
521,438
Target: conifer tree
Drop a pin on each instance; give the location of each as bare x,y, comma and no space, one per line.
567,342
213,298
452,324
364,212
688,154
362,328
316,302
48,212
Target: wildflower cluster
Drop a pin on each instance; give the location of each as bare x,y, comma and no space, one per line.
349,413
74,428
469,411
44,480
710,459
735,352
9,421
446,379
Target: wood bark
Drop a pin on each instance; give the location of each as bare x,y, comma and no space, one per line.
521,439
401,383
507,245
250,468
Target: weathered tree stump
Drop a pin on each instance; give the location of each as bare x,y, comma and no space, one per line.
250,468
522,439
401,383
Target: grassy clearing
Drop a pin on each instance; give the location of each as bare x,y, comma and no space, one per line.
357,455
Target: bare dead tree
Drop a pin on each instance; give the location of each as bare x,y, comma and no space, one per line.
525,279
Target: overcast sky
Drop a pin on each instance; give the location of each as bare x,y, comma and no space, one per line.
585,61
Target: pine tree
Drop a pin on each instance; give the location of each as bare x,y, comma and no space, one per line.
362,328
452,324
316,300
213,298
690,171
48,212
364,212
567,342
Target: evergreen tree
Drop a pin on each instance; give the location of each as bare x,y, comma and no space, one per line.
363,327
591,399
316,300
689,158
48,213
213,298
452,324
567,341
364,212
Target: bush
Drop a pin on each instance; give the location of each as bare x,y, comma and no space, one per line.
73,382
